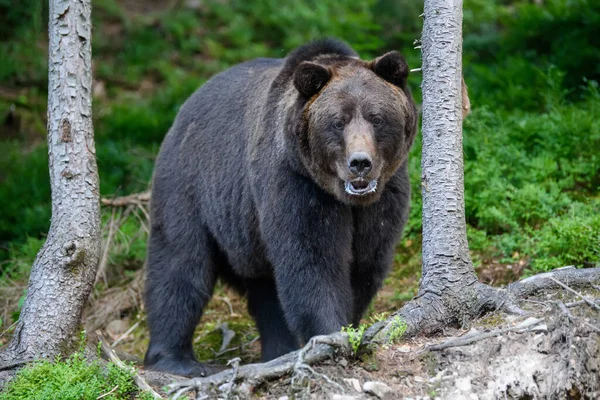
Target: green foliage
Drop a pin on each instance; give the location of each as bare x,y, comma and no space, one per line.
74,378
569,239
355,336
397,329
529,143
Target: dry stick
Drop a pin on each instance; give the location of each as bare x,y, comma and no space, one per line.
108,393
228,302
236,366
572,318
300,364
127,332
228,336
528,325
136,198
589,302
141,382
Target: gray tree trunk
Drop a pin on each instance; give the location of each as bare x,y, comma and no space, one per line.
64,270
449,291
446,257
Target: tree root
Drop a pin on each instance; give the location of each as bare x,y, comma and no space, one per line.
248,376
530,324
429,312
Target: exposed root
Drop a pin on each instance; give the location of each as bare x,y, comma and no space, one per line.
572,318
568,275
587,301
428,312
530,324
249,376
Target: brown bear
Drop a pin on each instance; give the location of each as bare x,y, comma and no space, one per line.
286,178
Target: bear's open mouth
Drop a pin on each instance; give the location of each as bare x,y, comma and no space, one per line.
360,186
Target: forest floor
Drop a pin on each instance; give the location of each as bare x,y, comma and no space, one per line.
552,352
553,349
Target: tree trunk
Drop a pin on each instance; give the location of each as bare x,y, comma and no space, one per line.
449,290
446,260
64,270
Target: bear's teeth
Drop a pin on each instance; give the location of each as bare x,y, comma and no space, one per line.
351,190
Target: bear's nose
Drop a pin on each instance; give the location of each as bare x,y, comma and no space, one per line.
360,163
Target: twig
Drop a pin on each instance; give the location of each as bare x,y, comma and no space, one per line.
127,332
136,198
528,325
107,393
236,366
228,335
589,302
140,382
571,317
228,302
301,365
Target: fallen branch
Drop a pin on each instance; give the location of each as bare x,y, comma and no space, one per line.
530,324
569,275
139,381
107,393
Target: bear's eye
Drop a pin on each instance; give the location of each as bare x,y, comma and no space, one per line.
376,120
338,125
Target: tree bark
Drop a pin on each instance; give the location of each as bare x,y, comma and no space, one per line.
64,270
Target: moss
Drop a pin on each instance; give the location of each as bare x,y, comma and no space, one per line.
491,321
73,378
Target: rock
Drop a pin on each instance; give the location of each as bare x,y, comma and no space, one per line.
116,328
355,383
343,397
463,384
343,362
377,388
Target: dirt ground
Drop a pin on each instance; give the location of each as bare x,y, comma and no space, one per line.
556,357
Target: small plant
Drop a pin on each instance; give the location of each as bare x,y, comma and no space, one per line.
397,329
355,336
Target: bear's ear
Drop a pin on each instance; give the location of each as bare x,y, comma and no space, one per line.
309,78
392,67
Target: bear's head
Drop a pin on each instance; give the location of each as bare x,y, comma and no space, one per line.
358,122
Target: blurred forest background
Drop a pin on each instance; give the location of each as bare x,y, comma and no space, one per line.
531,143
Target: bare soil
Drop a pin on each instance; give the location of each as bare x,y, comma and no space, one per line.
558,358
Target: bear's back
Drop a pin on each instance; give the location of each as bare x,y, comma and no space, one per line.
201,171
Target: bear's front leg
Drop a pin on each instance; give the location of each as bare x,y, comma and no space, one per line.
308,236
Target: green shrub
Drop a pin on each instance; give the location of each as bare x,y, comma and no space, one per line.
569,239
